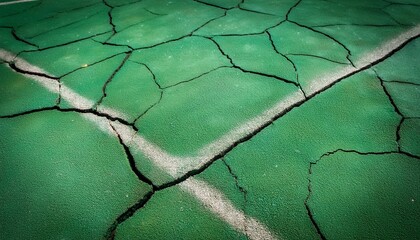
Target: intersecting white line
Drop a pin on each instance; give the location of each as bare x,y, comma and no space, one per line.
176,166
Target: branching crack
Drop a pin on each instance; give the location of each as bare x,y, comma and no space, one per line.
110,79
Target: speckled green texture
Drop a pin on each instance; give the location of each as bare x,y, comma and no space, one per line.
180,218
238,21
19,93
171,86
88,81
410,136
143,91
255,53
215,103
369,196
63,60
164,60
58,188
273,166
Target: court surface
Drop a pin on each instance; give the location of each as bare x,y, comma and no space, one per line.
210,119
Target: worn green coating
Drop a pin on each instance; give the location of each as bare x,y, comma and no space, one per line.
164,60
408,102
19,93
274,7
130,15
179,216
170,26
215,103
223,3
368,196
255,53
63,60
60,26
7,41
404,14
143,91
273,166
53,187
288,39
238,21
362,39
340,12
88,81
396,68
410,136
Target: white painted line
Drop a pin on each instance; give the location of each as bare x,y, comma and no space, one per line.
213,199
210,197
14,2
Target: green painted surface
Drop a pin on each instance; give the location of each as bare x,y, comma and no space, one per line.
8,42
58,29
179,218
170,26
88,81
406,97
273,166
396,68
404,14
215,103
164,60
223,3
19,93
288,38
369,197
131,15
63,60
274,7
410,136
340,12
255,53
142,91
239,21
58,188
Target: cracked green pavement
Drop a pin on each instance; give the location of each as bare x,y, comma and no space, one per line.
210,119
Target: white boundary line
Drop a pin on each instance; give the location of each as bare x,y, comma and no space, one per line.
210,197
14,2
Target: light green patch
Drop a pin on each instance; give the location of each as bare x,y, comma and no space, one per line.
361,40
273,166
397,68
320,13
279,8
173,212
311,68
62,178
8,42
46,9
215,103
404,14
121,2
19,93
368,197
89,80
223,3
65,20
63,60
290,38
406,97
239,21
168,27
130,15
410,136
132,91
255,53
182,60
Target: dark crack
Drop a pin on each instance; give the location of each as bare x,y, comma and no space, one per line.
249,71
211,5
104,87
110,234
132,162
316,56
111,22
13,66
241,189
